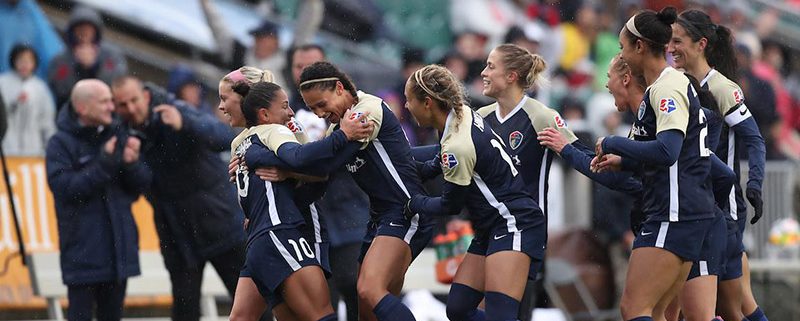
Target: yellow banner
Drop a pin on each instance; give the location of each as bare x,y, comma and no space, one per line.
37,220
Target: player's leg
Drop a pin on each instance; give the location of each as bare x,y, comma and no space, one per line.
670,296
652,274
467,289
698,298
306,293
749,305
673,310
729,304
506,275
248,303
385,262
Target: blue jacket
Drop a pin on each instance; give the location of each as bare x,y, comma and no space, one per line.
93,193
195,208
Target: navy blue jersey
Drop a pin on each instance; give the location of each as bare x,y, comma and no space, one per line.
267,205
472,154
730,99
383,168
682,191
518,131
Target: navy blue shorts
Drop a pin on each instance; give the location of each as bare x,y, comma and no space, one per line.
417,232
733,253
712,255
531,241
682,238
275,255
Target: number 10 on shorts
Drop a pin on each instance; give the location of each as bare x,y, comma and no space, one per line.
301,247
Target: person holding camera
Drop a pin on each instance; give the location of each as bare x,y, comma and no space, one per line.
95,174
197,217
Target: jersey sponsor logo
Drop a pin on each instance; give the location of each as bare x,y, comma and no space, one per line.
667,105
638,130
449,160
642,109
738,97
560,122
356,165
294,126
515,139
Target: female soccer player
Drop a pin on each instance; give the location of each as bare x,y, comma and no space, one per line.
272,271
510,228
670,149
383,168
705,50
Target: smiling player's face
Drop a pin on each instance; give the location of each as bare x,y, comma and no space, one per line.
230,103
329,104
416,106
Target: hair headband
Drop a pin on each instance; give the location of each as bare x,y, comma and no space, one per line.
631,26
311,81
418,78
236,76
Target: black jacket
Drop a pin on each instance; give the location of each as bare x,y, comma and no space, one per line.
196,212
93,193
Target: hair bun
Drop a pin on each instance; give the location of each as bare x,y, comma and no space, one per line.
668,15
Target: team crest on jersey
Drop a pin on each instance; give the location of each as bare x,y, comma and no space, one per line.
642,109
560,122
667,105
738,96
449,161
515,139
294,126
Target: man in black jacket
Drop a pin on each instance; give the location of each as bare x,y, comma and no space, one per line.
195,209
94,172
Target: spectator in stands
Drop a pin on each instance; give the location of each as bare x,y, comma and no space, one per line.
184,84
87,55
30,110
22,21
3,119
763,108
95,173
195,210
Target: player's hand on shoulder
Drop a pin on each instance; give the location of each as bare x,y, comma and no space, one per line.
552,138
170,116
356,125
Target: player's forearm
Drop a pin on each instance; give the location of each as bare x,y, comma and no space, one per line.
579,157
450,203
663,151
756,151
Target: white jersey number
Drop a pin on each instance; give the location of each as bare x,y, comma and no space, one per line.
704,151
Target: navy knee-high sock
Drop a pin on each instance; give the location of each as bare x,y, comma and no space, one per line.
462,303
642,319
392,309
757,315
501,307
330,317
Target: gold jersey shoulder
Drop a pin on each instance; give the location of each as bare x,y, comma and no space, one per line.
458,155
669,98
726,92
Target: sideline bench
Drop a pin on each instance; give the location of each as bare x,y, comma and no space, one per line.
45,272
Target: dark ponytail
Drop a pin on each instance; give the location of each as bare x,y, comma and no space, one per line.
654,29
704,95
259,95
719,52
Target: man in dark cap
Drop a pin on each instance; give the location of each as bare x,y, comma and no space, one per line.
266,52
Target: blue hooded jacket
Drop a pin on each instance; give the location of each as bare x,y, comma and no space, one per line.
93,193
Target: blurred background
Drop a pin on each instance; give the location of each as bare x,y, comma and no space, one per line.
188,45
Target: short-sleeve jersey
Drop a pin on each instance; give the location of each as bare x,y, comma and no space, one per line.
473,155
267,205
518,131
383,168
681,191
730,99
